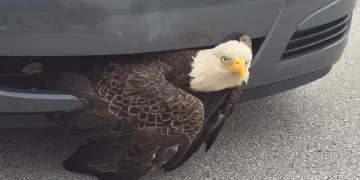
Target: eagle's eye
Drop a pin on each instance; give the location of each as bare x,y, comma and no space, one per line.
224,59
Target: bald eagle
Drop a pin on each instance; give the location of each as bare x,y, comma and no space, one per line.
150,111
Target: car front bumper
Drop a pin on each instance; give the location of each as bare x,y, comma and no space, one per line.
301,46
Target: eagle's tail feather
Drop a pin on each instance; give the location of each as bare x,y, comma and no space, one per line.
213,136
75,84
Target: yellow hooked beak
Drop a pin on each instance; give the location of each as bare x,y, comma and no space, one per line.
238,67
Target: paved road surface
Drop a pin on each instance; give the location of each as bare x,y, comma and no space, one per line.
312,132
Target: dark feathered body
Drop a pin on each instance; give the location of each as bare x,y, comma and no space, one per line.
139,114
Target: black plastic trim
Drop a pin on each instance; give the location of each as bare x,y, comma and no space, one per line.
318,40
309,40
308,34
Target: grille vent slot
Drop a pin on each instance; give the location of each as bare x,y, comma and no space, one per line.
11,76
309,40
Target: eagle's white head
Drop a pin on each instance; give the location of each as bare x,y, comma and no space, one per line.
224,66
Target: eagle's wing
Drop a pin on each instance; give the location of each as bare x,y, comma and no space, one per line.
221,115
137,121
218,107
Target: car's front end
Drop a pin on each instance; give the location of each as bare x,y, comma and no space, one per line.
295,41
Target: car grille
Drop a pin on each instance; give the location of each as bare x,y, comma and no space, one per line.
11,75
313,39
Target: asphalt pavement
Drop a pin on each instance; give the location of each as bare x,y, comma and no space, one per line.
312,132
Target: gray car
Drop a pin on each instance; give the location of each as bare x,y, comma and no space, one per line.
295,41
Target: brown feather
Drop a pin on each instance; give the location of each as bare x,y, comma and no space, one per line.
140,121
